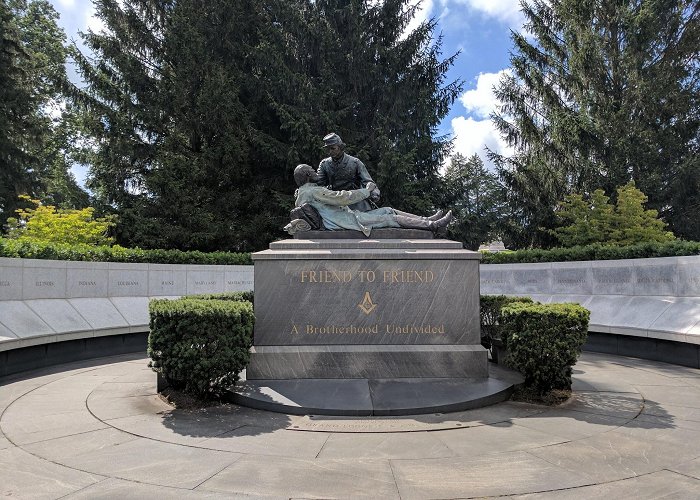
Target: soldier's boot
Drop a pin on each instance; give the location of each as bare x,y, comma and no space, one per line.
437,215
421,223
441,224
444,220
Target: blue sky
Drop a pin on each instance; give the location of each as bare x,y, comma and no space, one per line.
479,29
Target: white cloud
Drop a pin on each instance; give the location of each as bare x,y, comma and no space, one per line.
474,136
475,132
92,22
445,12
66,3
507,11
481,101
422,14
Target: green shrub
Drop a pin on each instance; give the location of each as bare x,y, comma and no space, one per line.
595,220
490,313
595,252
200,346
544,342
234,296
46,223
61,251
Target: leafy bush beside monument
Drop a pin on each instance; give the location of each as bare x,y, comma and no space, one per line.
543,342
490,308
200,345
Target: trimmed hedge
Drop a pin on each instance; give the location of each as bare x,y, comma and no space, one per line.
594,252
490,313
59,251
56,251
200,346
544,341
234,296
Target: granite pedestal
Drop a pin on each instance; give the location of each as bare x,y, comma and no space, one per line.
352,315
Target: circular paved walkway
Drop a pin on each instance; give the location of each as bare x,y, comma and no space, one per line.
98,430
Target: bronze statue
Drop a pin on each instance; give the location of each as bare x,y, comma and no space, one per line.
334,208
340,171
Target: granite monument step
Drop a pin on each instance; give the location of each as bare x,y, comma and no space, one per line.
274,362
379,397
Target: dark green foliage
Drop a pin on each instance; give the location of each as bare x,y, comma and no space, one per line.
544,342
384,94
595,252
234,296
201,110
57,251
477,199
200,346
601,93
490,314
35,133
16,107
685,199
584,221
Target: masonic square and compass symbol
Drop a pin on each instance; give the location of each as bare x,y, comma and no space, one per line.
367,306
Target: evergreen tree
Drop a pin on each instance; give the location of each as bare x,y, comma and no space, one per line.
387,94
45,70
596,221
172,137
603,92
201,110
34,144
632,223
16,125
684,212
584,221
477,199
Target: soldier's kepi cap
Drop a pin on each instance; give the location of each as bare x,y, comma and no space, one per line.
332,139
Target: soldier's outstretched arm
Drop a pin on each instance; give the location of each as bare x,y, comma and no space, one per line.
341,198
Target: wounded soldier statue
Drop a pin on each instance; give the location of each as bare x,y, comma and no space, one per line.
318,207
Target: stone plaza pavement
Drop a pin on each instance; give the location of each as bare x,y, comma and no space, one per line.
97,429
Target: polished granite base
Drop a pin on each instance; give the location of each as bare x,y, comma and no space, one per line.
379,397
382,326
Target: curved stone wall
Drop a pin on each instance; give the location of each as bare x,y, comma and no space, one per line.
656,298
45,301
48,301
